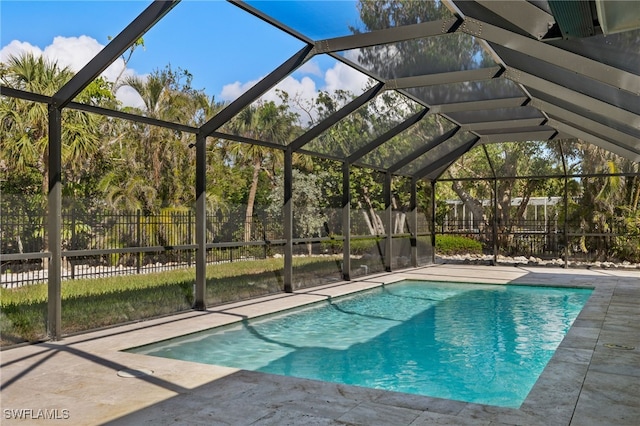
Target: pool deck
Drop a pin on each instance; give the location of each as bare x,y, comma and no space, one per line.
587,382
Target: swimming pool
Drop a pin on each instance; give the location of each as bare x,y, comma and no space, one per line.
477,343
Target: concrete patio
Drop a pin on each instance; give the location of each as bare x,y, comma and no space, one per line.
593,378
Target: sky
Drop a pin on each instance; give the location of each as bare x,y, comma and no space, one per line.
226,49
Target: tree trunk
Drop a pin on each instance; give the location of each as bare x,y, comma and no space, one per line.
372,230
248,218
470,202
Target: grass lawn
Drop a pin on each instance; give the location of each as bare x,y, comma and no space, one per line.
99,302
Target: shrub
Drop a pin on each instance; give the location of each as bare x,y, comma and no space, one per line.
456,244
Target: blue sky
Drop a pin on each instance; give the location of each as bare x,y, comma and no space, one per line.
225,48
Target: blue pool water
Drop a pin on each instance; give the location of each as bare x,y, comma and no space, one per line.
477,343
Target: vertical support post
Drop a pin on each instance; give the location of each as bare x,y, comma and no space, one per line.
566,221
566,206
388,215
288,220
346,221
495,221
414,222
433,221
189,235
73,238
201,223
54,224
138,240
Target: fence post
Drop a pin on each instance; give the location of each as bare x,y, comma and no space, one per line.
138,240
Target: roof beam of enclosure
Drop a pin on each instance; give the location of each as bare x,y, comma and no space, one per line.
27,96
152,14
386,136
423,149
556,90
480,105
335,117
538,177
447,159
257,90
250,141
266,18
131,117
579,64
522,14
541,135
445,78
387,35
617,137
631,154
504,124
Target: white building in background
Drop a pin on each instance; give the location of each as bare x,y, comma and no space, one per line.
540,211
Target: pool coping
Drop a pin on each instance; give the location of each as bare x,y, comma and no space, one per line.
584,383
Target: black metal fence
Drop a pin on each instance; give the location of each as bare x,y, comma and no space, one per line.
544,239
108,243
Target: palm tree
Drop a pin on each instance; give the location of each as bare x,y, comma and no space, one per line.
24,124
266,122
156,162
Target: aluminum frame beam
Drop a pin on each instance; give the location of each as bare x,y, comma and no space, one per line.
596,140
257,90
388,222
558,91
415,118
540,135
112,51
413,220
522,14
503,124
346,221
444,78
616,137
27,96
595,70
480,105
325,124
446,159
199,302
438,140
54,225
387,36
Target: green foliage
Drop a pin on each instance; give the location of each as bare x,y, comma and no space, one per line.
455,244
358,246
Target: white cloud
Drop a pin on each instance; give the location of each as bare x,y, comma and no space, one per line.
304,90
75,53
232,91
16,47
129,97
343,77
310,67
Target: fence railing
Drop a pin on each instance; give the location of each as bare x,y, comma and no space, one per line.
107,243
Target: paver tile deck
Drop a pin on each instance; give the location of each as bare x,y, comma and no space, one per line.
591,380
